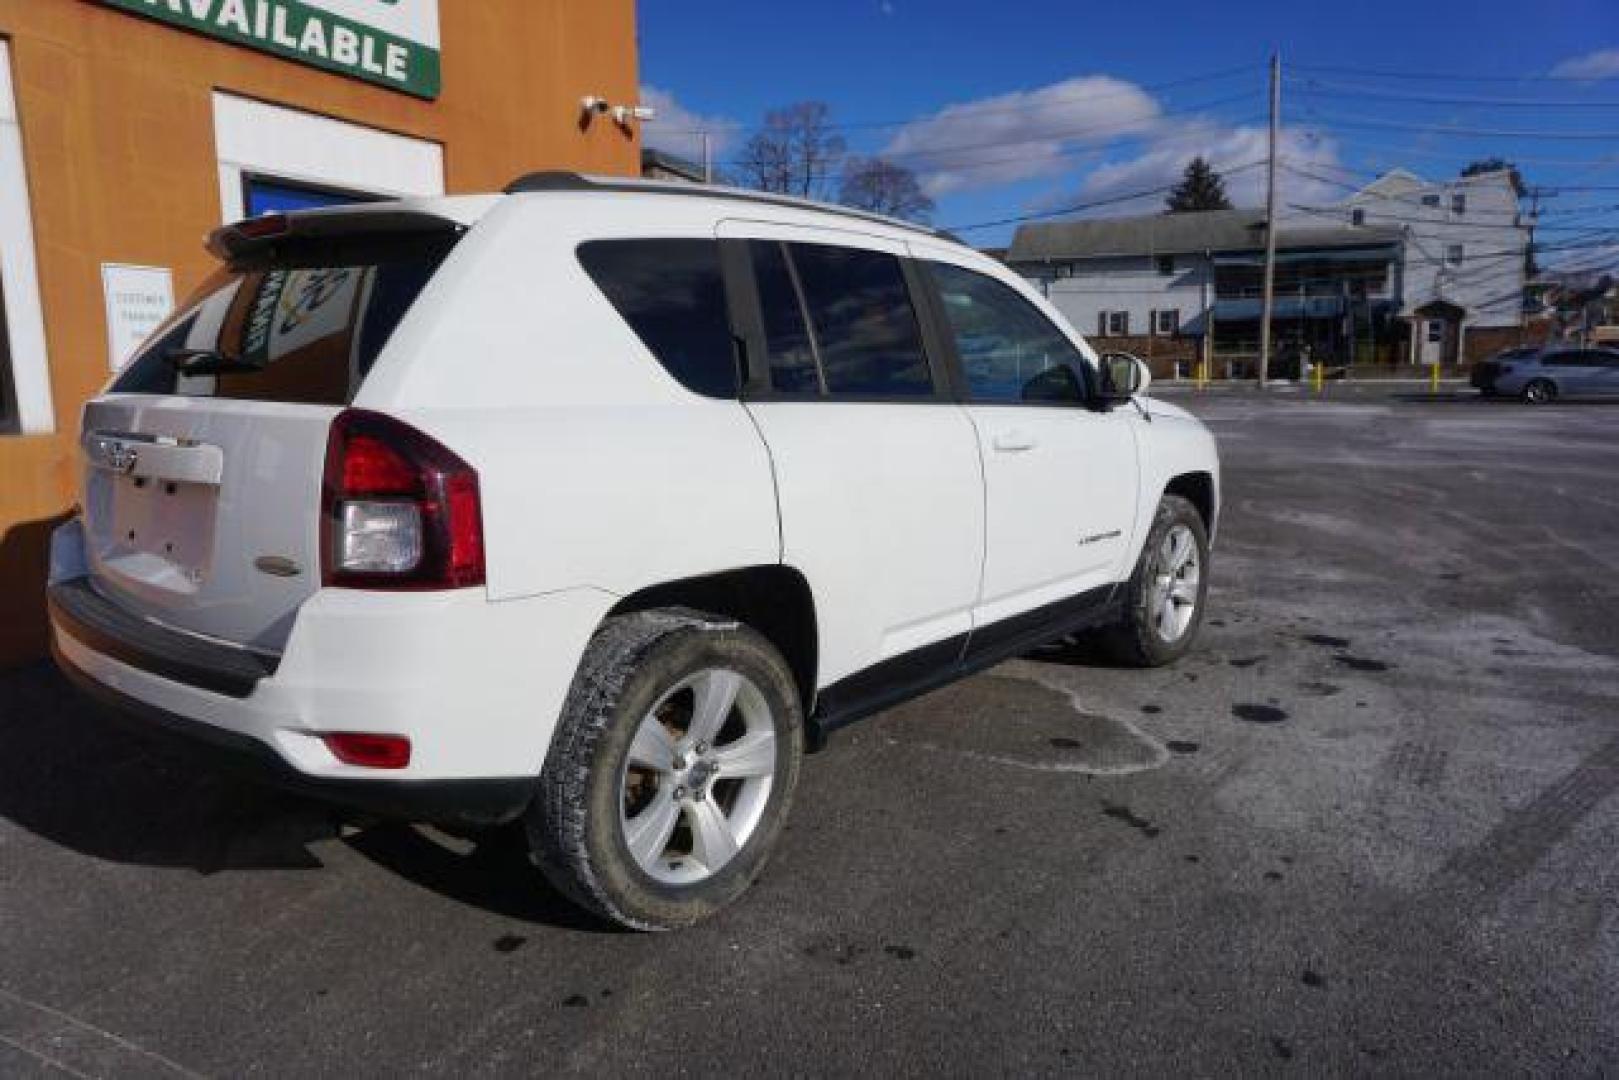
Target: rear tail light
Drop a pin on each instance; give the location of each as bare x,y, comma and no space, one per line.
371,751
399,511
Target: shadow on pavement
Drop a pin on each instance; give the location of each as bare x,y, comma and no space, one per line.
495,875
72,776
1076,651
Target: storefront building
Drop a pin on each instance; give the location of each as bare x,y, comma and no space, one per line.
131,128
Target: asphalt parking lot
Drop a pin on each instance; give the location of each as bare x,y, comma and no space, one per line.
1369,826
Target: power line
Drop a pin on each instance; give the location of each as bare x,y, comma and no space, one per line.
1316,87
1381,123
990,109
1111,200
1115,130
1373,73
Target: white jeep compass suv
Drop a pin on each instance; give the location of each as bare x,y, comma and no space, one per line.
595,502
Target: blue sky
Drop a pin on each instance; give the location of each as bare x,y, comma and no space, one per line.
1012,108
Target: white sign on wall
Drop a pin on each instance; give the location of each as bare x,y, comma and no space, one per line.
138,298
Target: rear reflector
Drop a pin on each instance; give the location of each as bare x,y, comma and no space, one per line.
369,751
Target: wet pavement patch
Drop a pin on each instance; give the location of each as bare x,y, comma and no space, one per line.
1181,746
1023,723
1152,710
1360,663
841,953
900,952
1327,641
1282,1048
1258,714
1320,689
1246,661
576,1001
508,943
1130,818
1313,980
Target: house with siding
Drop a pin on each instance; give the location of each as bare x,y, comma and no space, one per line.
1402,271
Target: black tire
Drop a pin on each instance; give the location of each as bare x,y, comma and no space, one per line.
574,824
1539,392
1134,640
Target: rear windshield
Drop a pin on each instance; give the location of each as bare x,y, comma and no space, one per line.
295,327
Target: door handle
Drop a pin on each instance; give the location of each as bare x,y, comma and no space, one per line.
1013,440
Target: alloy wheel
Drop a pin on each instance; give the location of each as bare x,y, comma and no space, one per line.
1177,574
697,777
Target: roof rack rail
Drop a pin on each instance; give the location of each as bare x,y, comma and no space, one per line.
561,180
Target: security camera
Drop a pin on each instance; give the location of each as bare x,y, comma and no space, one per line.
623,114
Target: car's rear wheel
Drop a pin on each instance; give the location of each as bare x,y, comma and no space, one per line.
1164,598
671,771
1539,391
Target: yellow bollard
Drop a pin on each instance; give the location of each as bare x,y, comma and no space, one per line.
1315,373
1434,382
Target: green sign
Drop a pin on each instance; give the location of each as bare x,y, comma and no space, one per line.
392,43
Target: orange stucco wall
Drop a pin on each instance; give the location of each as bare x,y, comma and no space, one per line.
116,117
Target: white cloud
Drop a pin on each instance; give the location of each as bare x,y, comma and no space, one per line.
1602,64
676,129
1235,152
1021,135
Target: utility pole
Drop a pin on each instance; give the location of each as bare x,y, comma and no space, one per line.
1270,217
1528,261
708,159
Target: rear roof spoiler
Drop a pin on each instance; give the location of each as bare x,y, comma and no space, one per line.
254,235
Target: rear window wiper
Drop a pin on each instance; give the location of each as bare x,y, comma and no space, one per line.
207,362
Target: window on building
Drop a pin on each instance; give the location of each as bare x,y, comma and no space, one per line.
788,347
1454,254
1065,270
1166,264
1431,199
1436,330
1458,202
673,296
1009,350
1115,324
262,194
1357,216
1166,321
863,324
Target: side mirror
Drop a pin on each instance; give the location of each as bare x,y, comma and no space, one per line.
1124,377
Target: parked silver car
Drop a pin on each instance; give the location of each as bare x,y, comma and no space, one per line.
1542,373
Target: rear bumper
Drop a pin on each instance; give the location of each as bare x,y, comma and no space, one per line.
92,619
450,802
476,686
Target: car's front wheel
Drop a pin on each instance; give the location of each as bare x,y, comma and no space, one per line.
1539,391
671,770
1164,598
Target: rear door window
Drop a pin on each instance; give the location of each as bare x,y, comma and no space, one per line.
302,328
788,346
863,324
672,294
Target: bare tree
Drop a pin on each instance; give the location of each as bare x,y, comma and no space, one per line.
795,152
883,187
